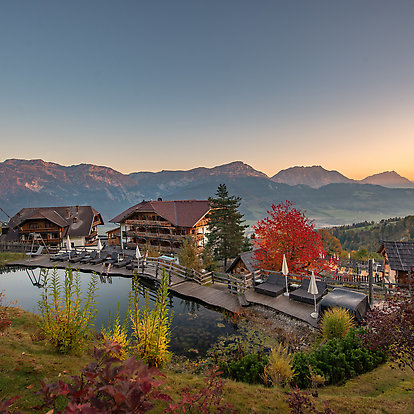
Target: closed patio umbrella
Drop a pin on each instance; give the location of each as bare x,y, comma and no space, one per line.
285,271
99,246
137,253
313,290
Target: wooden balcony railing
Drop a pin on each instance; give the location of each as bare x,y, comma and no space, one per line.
148,223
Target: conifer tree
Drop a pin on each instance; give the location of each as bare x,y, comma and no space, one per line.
226,226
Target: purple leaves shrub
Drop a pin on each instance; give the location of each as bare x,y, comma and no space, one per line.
106,386
391,328
301,402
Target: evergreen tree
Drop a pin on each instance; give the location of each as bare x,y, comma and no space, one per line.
226,226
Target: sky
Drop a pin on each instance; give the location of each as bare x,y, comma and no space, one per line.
152,85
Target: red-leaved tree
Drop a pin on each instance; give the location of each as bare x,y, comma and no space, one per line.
286,230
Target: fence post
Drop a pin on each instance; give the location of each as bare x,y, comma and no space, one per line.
370,284
156,269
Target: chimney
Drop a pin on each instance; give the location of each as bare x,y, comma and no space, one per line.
77,209
67,213
159,199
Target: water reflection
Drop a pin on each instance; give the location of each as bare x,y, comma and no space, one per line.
194,327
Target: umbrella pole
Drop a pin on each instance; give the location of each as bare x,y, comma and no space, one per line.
314,314
287,289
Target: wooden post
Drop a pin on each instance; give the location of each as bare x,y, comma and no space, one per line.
156,270
410,275
370,284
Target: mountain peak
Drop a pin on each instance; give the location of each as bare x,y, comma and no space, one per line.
315,176
388,179
237,168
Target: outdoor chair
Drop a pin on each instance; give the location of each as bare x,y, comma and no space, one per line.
38,252
301,294
113,259
100,259
126,261
274,285
60,257
78,257
93,255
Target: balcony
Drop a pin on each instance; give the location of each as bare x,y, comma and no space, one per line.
159,236
148,223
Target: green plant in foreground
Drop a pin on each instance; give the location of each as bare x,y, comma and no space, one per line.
67,319
151,327
336,323
279,370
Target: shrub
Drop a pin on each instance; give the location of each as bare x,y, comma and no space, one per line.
151,327
248,368
337,360
300,402
391,328
117,332
336,323
207,400
67,319
106,386
278,370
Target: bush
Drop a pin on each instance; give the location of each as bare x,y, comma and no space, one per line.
279,369
248,368
117,332
106,386
390,328
336,323
300,402
337,360
67,319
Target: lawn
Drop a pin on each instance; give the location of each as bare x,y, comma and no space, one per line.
24,361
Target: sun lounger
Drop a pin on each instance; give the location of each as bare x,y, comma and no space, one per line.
113,259
126,261
38,252
274,285
60,257
132,265
78,257
98,260
301,293
93,255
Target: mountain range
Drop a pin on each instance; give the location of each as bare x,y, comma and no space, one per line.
328,197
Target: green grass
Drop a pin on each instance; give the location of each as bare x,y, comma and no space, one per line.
7,257
25,361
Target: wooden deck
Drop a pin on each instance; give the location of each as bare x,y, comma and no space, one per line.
216,295
283,304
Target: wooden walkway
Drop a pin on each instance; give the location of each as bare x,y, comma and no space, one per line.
216,295
283,304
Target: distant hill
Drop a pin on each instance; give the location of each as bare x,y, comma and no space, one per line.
314,177
31,183
371,234
388,179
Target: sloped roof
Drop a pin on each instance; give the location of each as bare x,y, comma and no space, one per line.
77,220
400,254
248,259
180,213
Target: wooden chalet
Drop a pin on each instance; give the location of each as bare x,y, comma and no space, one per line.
398,260
114,237
164,225
244,263
54,225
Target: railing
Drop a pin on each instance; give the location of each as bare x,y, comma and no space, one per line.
161,236
149,223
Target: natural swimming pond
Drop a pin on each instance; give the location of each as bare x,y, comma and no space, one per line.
194,327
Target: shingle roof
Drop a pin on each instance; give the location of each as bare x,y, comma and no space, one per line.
180,213
61,216
400,254
248,259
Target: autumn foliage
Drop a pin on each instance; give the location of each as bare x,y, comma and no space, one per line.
286,230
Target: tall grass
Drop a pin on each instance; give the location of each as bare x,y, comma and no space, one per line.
67,319
151,327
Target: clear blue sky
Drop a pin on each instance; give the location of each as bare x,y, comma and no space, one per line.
177,84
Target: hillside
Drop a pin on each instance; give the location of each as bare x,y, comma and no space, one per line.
370,234
32,183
